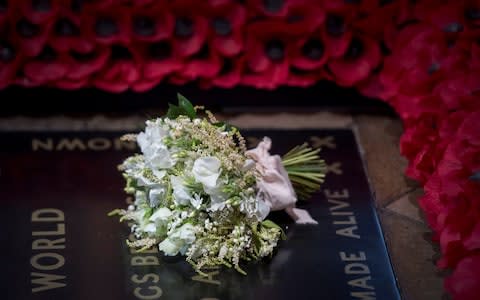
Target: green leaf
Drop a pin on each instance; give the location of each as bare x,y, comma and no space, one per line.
186,106
173,111
271,224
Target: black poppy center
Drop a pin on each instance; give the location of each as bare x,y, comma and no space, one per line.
222,26
47,54
472,14
355,50
475,176
64,27
294,18
7,53
76,5
313,49
3,5
227,67
353,1
106,27
41,5
83,57
273,6
159,50
144,26
453,27
335,25
275,50
183,27
385,2
27,29
434,67
121,53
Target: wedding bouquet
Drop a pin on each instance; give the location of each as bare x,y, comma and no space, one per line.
199,192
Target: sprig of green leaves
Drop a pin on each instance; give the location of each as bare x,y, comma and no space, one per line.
184,108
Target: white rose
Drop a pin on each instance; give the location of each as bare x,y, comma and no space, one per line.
206,170
181,194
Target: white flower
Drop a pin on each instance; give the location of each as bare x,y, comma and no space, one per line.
181,194
160,215
156,195
262,210
140,197
178,240
155,152
196,201
206,170
217,198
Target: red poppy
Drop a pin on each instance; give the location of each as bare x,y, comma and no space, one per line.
310,53
229,75
10,62
5,10
464,283
151,22
84,5
420,58
68,84
458,88
158,60
66,33
304,78
275,8
269,49
204,64
363,55
191,27
108,25
30,37
336,34
384,16
39,11
227,21
144,84
83,65
48,66
120,72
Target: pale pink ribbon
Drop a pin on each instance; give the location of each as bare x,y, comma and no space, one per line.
274,184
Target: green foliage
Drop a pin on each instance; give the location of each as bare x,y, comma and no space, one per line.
184,108
305,170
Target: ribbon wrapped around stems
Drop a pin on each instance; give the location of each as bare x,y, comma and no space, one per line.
274,185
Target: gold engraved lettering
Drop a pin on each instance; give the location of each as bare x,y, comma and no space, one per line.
46,281
99,144
352,257
208,279
364,295
46,244
47,215
318,142
71,144
335,168
60,261
46,145
336,194
144,260
59,231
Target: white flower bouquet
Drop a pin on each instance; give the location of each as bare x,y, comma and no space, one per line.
199,192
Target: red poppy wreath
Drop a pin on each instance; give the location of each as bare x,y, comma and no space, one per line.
422,57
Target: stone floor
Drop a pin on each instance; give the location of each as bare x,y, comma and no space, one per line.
408,237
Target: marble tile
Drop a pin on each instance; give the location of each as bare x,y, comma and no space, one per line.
407,206
413,256
379,140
